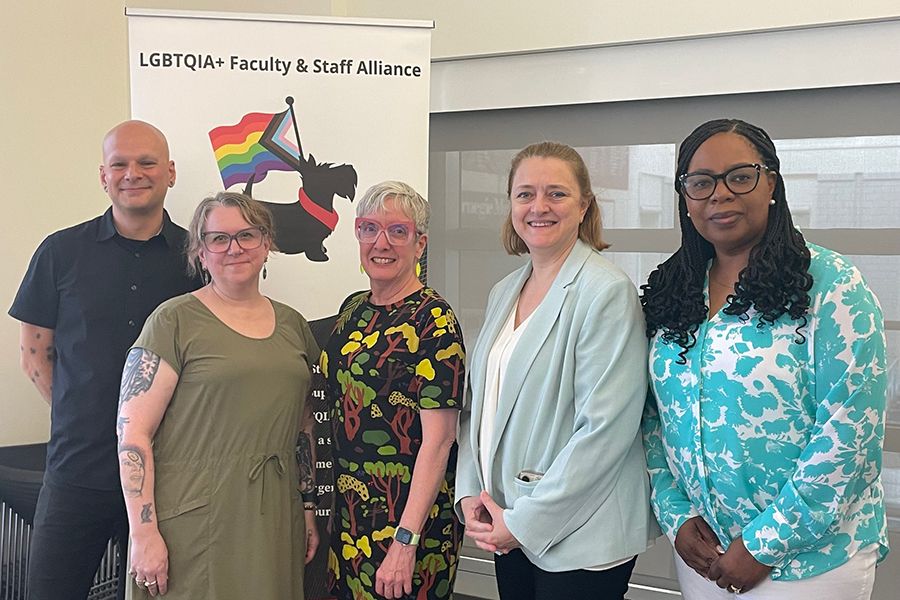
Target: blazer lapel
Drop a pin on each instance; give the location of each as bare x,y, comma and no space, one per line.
533,338
494,319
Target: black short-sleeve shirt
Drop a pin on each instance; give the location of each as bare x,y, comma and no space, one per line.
95,289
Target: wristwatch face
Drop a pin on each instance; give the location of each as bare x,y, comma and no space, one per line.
404,536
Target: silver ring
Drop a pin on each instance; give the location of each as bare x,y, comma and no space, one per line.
149,583
735,590
139,581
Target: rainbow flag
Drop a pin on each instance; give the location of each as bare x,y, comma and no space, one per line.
240,153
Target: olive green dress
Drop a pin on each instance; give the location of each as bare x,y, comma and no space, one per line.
227,485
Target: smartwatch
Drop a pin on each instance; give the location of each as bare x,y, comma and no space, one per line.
406,537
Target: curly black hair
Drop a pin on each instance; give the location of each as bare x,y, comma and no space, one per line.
775,281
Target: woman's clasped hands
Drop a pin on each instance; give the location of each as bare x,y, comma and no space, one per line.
734,569
485,525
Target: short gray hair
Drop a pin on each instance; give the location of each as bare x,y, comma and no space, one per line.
405,198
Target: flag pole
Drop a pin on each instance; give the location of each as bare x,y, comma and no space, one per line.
290,103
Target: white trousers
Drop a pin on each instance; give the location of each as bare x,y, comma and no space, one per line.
853,580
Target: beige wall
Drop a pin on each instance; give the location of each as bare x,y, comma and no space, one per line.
466,27
63,65
64,68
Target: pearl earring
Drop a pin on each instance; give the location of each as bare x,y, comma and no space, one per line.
688,214
772,201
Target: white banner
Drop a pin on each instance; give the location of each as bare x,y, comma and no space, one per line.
331,106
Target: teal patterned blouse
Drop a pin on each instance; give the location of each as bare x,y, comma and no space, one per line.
772,440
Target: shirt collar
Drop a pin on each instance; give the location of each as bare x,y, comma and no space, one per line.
107,228
168,231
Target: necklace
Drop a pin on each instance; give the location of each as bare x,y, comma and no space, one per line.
725,285
232,302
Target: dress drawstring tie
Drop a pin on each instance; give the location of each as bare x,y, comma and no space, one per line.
260,468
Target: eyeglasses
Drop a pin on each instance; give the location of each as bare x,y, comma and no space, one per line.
219,241
400,233
741,179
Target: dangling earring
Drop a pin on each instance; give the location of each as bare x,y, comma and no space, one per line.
418,269
772,201
361,269
204,276
265,272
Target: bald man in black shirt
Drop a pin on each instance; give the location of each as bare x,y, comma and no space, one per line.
82,303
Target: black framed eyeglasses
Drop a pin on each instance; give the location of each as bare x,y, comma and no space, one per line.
219,241
741,179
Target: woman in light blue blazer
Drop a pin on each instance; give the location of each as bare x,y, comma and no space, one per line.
551,470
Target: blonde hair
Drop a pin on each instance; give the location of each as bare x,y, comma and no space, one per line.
590,230
255,213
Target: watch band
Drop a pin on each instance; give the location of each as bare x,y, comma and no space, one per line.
406,537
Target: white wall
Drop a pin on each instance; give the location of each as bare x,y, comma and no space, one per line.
467,27
63,65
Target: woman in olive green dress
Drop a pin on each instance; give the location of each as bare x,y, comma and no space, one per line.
211,407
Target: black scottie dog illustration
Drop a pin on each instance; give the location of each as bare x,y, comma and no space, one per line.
302,226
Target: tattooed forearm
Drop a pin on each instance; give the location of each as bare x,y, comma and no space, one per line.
140,369
146,513
37,357
305,461
131,471
120,426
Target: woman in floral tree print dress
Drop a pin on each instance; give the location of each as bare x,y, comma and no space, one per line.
395,372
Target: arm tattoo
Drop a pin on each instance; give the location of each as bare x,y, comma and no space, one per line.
131,471
304,460
140,369
146,513
120,427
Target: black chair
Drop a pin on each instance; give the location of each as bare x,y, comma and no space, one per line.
21,474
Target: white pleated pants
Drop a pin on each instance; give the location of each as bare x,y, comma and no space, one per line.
853,580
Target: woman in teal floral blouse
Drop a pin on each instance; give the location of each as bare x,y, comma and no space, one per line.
764,429
395,370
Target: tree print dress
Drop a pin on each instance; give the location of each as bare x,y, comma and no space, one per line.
383,365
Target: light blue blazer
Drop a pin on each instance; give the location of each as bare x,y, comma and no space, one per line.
570,408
